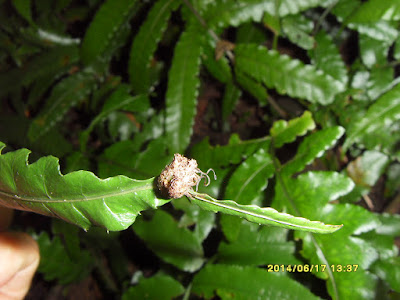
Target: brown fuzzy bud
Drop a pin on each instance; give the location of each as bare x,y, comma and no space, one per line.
178,178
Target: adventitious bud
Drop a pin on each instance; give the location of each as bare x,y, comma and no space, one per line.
178,178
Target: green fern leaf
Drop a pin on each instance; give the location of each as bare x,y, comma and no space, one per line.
264,215
145,43
312,146
245,282
65,94
326,57
182,90
286,75
233,153
109,20
382,115
377,10
79,197
284,132
225,13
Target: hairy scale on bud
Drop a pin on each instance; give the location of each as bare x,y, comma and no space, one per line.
180,176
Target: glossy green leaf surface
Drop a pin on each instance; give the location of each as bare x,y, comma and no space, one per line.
195,216
272,69
182,89
110,19
379,29
298,29
145,43
383,114
390,224
257,246
389,270
284,132
123,158
120,99
345,250
315,189
380,81
264,92
310,193
226,13
250,178
209,156
79,197
366,169
313,146
246,283
326,57
176,245
159,286
373,52
245,187
249,84
264,216
375,10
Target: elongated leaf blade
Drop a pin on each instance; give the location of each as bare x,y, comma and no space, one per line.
384,113
79,197
49,64
119,99
233,153
376,10
109,20
286,75
159,286
326,57
247,283
245,186
310,193
250,178
356,254
182,90
257,246
65,94
225,13
379,29
145,43
190,256
255,88
297,29
264,216
123,158
313,146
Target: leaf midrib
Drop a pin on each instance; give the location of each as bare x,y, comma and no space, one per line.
147,186
257,215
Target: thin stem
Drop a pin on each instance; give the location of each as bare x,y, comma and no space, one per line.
211,32
103,271
368,201
323,16
283,114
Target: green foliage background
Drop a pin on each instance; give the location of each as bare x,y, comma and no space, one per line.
116,87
